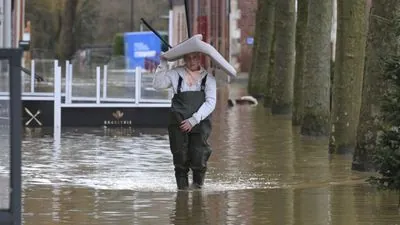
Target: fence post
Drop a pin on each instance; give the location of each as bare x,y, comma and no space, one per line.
70,70
66,81
98,85
32,76
57,100
105,81
138,75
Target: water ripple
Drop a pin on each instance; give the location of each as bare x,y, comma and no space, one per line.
140,162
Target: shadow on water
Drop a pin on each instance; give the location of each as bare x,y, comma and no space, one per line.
260,172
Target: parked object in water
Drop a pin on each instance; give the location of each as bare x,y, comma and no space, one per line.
244,100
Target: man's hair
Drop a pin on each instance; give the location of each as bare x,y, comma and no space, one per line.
186,55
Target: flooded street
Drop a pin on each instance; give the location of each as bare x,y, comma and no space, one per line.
260,172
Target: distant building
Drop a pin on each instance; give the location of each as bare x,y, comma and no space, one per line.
221,23
247,24
12,25
11,22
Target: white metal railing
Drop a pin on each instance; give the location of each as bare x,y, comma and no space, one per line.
73,102
57,101
33,94
32,77
58,105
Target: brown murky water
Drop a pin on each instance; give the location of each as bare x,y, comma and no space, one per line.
261,172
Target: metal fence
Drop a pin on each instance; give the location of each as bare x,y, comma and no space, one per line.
10,138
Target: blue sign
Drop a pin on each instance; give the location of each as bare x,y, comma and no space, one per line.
142,49
250,40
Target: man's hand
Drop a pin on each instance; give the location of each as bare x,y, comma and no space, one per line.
186,126
162,57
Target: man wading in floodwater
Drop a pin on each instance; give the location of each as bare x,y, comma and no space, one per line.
190,123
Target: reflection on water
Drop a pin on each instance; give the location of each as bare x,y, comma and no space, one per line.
261,172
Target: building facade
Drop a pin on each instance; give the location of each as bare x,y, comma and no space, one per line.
247,25
225,24
11,22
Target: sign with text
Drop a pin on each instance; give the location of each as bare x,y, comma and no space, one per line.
142,49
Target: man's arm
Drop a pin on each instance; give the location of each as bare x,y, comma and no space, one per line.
162,76
209,105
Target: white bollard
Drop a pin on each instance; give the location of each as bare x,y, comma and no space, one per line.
57,102
105,82
138,75
32,76
98,84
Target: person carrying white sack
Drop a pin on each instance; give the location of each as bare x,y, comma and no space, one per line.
190,125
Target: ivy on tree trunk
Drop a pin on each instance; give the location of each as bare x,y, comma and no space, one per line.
382,42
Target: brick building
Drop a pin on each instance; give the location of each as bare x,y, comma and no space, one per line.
11,22
225,24
247,25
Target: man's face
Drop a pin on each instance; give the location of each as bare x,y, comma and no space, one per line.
192,61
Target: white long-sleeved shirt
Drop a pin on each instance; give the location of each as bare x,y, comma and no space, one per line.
165,78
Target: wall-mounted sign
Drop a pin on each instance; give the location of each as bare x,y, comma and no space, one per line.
250,40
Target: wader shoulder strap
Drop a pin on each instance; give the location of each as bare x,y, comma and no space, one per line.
179,85
203,83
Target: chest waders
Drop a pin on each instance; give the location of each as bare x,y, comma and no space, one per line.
189,150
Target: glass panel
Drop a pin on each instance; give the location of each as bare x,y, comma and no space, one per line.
4,136
45,69
4,77
120,83
148,92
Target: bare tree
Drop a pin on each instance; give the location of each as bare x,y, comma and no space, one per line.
317,74
282,82
348,75
67,41
301,38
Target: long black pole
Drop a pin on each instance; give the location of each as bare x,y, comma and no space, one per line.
187,18
155,32
37,77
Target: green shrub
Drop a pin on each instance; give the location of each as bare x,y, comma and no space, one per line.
387,155
118,45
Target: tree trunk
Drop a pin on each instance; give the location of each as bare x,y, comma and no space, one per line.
317,69
251,85
348,75
271,72
67,43
301,29
282,87
267,36
265,19
382,42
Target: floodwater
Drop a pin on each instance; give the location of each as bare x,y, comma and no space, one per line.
260,172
